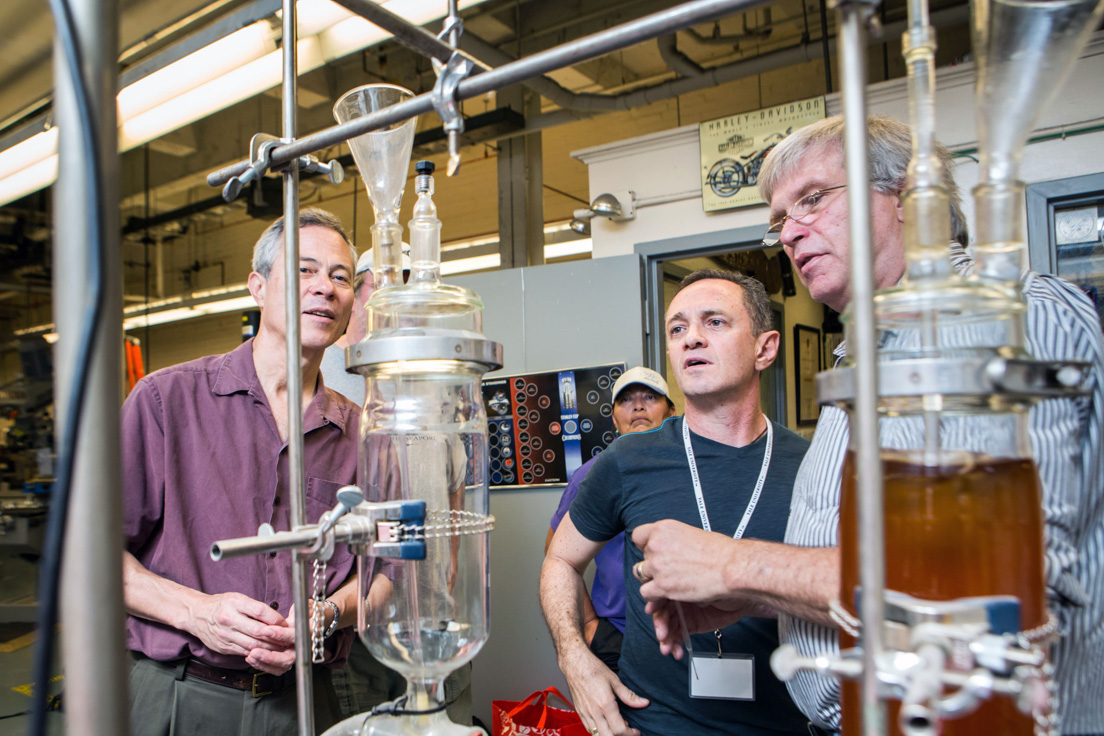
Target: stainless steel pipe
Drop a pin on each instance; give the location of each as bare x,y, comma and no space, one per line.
91,592
854,16
300,577
613,39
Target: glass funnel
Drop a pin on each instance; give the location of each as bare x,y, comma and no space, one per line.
383,158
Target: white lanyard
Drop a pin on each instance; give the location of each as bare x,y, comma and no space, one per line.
697,482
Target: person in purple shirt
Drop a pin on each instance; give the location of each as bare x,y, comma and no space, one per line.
205,457
640,404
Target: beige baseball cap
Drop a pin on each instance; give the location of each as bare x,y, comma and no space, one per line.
643,376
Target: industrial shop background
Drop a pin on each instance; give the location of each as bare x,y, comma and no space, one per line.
554,298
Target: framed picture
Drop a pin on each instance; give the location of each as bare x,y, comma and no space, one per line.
807,363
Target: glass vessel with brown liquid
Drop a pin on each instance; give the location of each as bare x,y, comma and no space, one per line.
968,525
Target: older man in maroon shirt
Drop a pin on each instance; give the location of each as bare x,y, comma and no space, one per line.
205,457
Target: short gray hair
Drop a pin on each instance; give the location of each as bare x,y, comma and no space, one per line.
889,148
756,301
271,242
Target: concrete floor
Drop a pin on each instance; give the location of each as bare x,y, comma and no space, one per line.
17,585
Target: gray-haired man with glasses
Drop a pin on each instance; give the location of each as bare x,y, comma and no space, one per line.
804,211
802,179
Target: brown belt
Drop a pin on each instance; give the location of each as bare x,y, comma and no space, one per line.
257,683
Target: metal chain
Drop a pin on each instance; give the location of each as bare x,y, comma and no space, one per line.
1039,635
1047,720
450,523
318,603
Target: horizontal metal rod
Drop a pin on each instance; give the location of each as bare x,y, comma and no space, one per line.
352,529
575,52
230,548
405,32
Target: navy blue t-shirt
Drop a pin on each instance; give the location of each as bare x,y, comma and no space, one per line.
644,477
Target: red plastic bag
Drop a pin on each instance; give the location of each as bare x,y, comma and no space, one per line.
535,717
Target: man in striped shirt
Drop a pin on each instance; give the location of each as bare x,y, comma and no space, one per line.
803,181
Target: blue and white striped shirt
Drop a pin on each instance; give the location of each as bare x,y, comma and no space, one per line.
1067,439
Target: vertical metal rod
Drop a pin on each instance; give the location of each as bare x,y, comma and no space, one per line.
864,424
92,645
454,34
299,572
824,41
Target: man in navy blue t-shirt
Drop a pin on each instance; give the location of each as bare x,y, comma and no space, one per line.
723,467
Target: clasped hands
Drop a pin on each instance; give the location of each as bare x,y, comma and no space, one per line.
232,623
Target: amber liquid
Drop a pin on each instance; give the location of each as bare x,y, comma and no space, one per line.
952,531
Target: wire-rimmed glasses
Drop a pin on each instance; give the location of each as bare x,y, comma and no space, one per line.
803,209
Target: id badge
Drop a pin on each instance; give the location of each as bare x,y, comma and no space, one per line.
727,677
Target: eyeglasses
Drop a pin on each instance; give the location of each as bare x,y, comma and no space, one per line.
804,211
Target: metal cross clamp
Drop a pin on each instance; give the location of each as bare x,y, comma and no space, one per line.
260,159
448,105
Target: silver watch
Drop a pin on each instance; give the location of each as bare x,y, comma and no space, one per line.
336,620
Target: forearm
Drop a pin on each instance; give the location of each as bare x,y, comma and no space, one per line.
798,581
150,596
562,593
345,598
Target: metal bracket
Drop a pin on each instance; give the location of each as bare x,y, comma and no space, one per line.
447,103
260,160
332,170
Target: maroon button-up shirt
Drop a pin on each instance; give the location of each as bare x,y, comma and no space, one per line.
203,461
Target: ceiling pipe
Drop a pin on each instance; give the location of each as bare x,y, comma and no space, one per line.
809,51
757,33
675,60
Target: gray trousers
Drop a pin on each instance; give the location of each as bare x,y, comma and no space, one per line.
163,705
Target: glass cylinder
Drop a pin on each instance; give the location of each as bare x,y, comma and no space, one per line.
963,518
423,437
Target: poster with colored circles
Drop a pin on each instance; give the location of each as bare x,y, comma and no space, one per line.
543,426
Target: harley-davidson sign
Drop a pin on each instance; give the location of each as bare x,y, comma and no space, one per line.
733,148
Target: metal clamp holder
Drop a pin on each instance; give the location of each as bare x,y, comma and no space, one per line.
370,526
447,104
260,160
389,523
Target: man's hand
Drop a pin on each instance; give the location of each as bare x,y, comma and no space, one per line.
759,578
698,617
682,562
595,691
232,623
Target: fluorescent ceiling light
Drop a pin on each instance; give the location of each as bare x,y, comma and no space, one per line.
230,70
234,298
568,248
493,260
178,314
475,263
